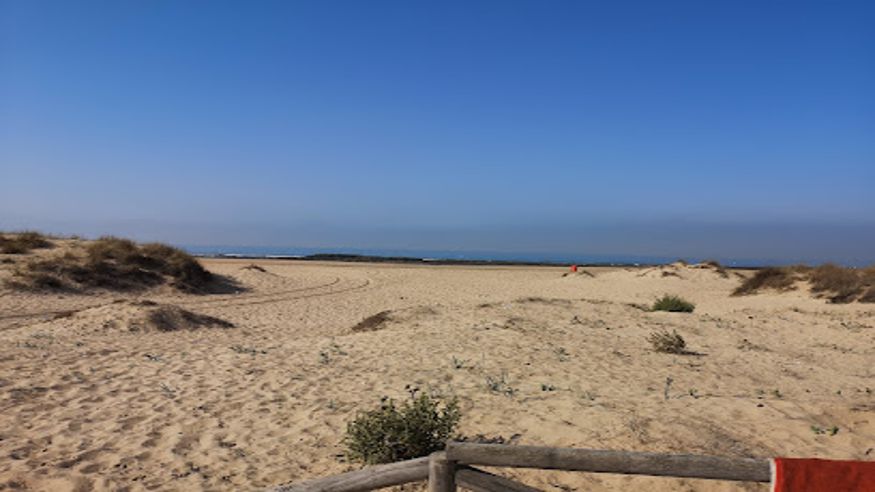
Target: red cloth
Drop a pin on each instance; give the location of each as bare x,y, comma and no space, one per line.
816,475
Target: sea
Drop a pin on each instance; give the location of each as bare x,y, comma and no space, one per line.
478,256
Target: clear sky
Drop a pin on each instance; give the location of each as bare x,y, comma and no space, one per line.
736,129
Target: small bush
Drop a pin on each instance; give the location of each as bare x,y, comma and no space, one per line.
839,284
395,432
670,343
673,304
173,318
373,322
23,242
766,278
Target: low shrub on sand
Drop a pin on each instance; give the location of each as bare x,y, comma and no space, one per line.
395,432
373,322
23,242
767,278
836,283
114,264
673,304
173,318
669,343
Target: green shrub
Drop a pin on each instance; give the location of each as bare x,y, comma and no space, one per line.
673,304
395,432
670,343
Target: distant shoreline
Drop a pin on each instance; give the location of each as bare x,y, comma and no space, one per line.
414,260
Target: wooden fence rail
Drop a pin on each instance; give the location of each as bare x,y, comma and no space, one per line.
601,461
370,478
450,469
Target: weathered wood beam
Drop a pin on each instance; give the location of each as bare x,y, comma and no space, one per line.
441,473
481,481
602,461
370,478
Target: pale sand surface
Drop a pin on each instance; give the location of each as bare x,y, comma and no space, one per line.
87,404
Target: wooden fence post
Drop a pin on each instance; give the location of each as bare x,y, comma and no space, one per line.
441,473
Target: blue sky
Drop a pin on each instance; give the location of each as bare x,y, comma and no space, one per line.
575,127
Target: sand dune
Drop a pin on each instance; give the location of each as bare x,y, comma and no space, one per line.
90,403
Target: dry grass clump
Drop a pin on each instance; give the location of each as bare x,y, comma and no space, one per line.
839,284
673,304
836,283
374,322
23,242
173,318
669,343
395,432
776,278
717,267
114,264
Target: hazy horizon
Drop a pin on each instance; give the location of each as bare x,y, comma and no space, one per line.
677,129
742,243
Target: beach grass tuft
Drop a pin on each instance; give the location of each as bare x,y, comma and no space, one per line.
673,304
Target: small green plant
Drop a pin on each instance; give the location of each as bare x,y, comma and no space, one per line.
821,431
562,354
337,349
401,431
499,384
673,304
333,349
669,343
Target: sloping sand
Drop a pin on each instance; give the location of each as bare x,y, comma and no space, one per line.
90,402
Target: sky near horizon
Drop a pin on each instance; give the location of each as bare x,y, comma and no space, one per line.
728,129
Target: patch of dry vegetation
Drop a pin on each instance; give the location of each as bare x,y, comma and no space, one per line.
781,279
836,283
717,267
23,242
374,322
165,318
114,264
668,343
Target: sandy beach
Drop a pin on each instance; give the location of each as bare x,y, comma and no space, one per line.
94,398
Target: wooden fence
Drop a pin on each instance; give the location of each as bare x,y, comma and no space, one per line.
454,468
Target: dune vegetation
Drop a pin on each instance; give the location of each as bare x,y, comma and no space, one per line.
673,304
115,264
835,283
23,242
